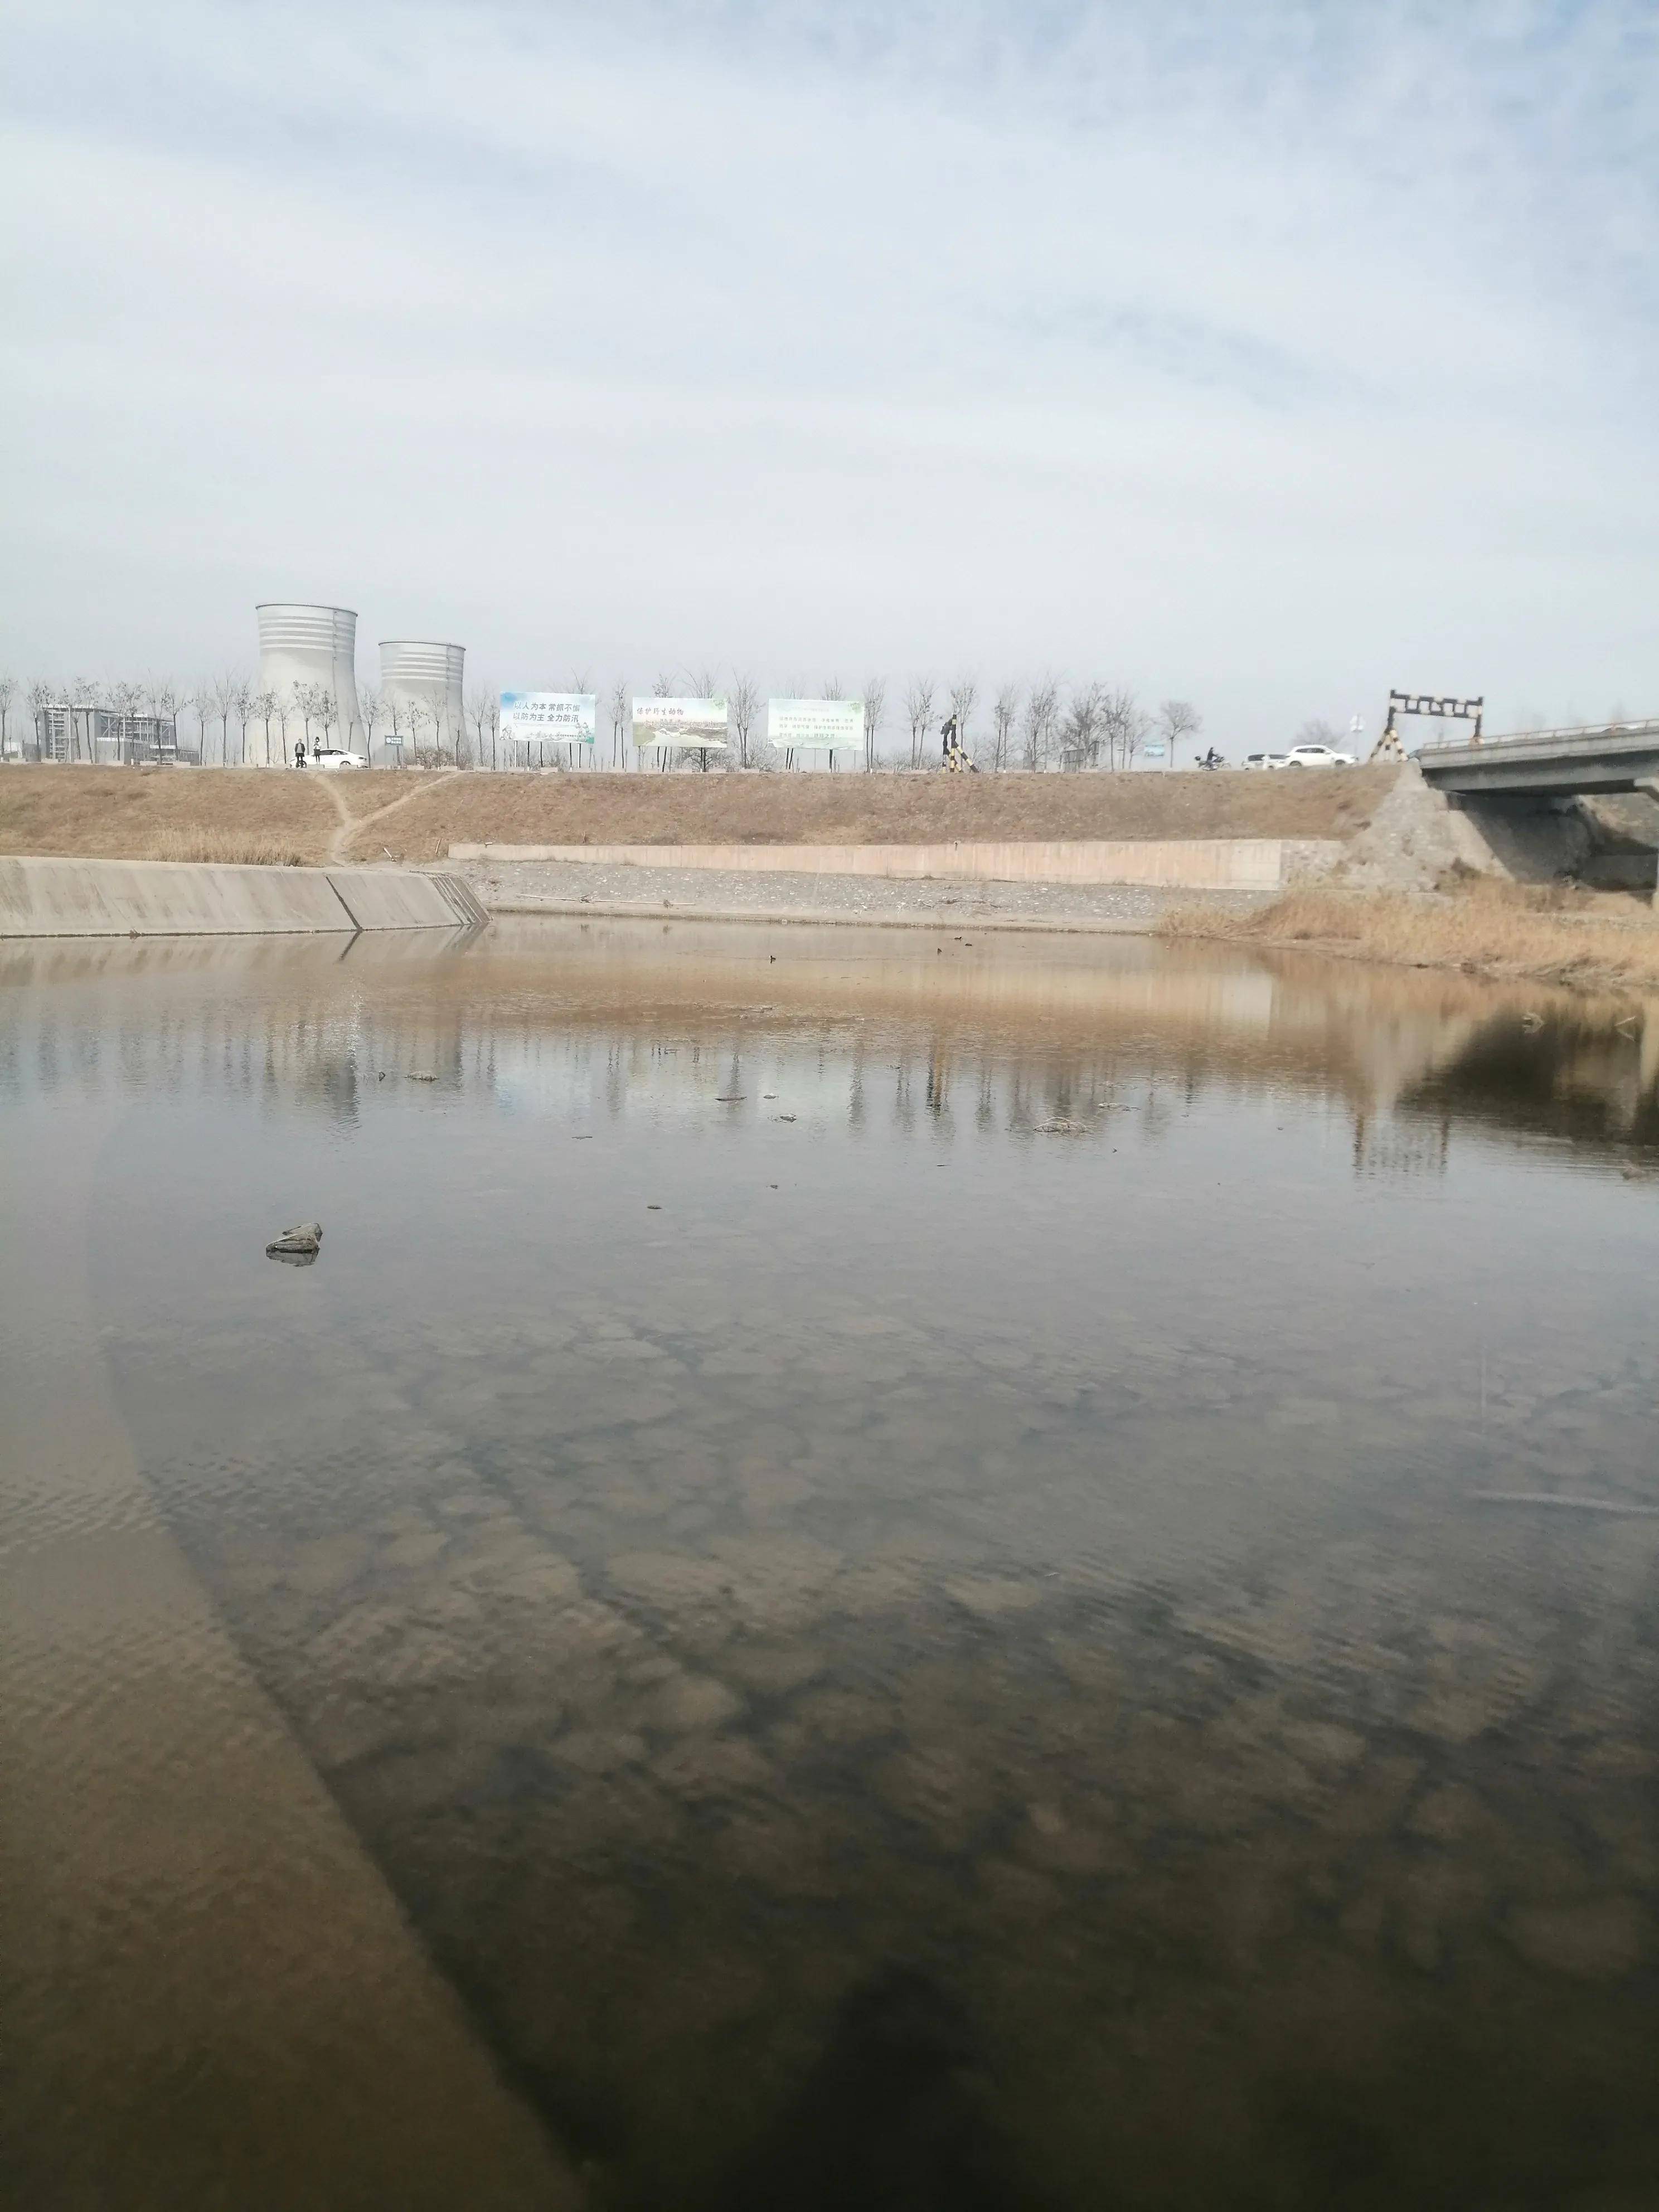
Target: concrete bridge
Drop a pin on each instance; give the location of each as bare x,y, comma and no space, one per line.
1544,764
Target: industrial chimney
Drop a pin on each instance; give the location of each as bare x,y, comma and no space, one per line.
300,645
421,681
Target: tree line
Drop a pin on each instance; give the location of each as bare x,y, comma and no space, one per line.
1035,727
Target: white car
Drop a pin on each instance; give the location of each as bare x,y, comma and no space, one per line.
1316,756
1267,760
332,757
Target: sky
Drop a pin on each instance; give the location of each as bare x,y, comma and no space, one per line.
1264,356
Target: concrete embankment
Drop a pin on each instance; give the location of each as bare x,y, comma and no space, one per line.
41,897
1240,864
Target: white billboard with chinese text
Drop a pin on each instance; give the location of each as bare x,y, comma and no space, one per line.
699,725
814,725
550,718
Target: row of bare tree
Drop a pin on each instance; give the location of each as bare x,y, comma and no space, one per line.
1033,727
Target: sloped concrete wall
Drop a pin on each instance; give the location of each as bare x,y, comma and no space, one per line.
382,898
1195,863
178,898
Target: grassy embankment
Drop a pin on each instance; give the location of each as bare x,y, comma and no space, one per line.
1554,933
236,813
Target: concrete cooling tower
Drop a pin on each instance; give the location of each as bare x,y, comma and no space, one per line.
417,673
313,645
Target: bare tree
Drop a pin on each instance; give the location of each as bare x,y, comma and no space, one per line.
1081,733
1318,731
371,705
328,711
124,699
622,710
963,695
223,696
241,701
42,697
167,702
875,705
418,715
918,712
745,699
479,698
1042,720
8,693
1178,719
663,687
1124,727
1005,712
267,706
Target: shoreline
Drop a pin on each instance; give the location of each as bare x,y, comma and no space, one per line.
1494,932
774,917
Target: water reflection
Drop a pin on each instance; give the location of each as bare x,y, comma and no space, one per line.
883,1537
1005,1036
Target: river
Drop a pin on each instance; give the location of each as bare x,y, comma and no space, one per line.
969,1571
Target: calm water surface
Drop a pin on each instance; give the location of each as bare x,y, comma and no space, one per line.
884,1539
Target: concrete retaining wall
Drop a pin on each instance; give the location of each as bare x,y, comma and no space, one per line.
183,898
1248,864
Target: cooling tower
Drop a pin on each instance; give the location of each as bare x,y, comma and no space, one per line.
415,673
311,645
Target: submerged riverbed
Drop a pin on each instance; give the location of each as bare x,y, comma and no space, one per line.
902,1551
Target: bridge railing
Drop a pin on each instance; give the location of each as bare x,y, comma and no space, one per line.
1587,734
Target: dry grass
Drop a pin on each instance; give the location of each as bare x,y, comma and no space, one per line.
134,814
1551,933
234,848
367,792
116,813
593,809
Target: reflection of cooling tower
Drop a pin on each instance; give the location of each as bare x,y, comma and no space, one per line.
311,645
427,677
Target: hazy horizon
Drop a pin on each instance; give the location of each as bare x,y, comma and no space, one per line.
1265,361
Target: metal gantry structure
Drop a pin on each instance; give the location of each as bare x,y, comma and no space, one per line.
1437,708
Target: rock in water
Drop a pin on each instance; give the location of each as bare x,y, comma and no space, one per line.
303,1241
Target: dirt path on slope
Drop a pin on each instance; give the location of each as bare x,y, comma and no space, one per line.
352,826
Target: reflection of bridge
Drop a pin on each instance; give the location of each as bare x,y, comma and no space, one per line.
1549,763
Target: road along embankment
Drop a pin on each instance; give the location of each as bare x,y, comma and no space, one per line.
167,898
1236,864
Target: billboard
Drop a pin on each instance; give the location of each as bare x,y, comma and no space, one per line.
699,725
814,725
550,718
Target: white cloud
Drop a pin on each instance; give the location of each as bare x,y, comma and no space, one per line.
1269,355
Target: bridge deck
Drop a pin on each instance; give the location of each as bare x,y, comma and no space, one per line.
1547,763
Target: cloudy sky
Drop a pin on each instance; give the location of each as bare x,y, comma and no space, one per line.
1268,355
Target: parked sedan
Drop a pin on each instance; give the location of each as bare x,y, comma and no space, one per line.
1317,756
1267,760
332,756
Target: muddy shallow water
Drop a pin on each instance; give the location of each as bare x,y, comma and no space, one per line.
911,1555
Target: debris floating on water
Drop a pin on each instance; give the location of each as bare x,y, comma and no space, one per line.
420,1075
302,1242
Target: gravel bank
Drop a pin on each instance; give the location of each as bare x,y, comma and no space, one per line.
561,886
